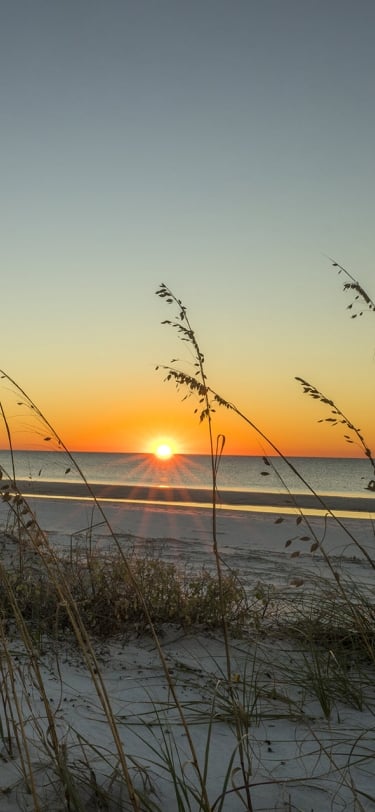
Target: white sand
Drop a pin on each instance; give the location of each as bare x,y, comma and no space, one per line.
300,760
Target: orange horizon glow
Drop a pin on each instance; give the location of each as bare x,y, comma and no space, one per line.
232,450
186,440
113,429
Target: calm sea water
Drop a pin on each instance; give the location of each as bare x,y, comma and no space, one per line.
237,473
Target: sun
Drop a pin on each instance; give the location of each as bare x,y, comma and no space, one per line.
163,451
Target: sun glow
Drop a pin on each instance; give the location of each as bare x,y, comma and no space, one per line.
163,451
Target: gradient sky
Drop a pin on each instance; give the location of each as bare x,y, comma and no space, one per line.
221,147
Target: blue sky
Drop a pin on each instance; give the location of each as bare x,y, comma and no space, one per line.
222,147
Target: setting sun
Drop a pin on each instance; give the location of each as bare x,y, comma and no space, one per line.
163,452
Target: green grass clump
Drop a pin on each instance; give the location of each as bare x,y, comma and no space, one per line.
102,587
109,603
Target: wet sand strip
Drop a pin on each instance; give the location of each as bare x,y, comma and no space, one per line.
181,495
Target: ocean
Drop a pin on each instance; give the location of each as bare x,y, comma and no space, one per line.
239,475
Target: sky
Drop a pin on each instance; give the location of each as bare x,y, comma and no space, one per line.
223,148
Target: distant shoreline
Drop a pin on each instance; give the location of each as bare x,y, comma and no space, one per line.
181,495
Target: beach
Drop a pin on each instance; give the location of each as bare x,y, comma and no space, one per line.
253,537
187,464
300,758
